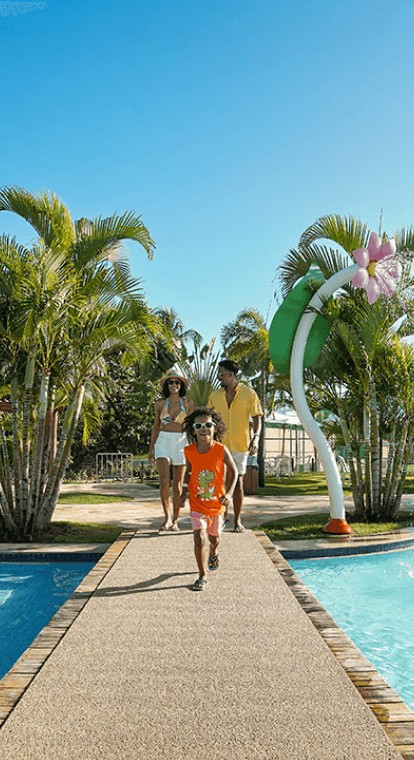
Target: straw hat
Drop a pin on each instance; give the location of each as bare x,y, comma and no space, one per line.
172,374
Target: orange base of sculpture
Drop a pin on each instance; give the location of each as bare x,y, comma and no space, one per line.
335,525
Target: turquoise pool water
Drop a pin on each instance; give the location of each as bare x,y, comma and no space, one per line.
371,597
30,594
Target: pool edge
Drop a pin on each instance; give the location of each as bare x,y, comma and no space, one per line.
392,713
14,684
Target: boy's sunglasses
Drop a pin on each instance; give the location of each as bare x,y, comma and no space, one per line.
199,425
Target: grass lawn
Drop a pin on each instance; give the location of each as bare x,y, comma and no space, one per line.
62,532
310,526
77,497
305,483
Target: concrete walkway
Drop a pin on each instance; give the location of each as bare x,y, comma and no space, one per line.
153,670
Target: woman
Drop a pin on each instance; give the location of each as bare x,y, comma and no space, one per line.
168,441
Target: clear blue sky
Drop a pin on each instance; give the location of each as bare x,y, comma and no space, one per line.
230,126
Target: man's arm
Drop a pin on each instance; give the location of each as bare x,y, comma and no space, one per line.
254,443
231,469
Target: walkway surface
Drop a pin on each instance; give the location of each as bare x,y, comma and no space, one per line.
151,669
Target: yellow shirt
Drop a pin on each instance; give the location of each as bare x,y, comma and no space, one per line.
245,404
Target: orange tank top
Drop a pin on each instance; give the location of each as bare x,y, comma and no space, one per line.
207,480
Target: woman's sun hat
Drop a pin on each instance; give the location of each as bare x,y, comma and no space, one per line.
171,374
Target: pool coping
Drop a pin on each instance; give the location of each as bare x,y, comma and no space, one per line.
388,707
18,679
344,546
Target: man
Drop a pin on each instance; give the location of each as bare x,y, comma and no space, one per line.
237,403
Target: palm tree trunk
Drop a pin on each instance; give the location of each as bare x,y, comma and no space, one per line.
43,502
38,449
391,507
10,526
356,482
388,475
375,451
51,496
367,458
30,367
407,457
262,437
17,463
6,467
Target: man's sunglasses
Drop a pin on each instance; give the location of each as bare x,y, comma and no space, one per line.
174,382
199,425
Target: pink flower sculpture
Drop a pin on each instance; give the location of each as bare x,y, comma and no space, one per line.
378,271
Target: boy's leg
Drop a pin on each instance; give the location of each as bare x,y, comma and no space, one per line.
200,553
214,542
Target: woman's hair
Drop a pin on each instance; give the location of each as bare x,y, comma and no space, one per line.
166,391
220,427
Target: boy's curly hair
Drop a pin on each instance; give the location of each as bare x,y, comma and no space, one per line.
220,427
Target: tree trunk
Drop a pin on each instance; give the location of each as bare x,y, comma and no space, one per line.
367,458
54,484
375,451
262,437
17,464
38,449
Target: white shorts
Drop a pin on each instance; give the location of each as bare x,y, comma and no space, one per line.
171,446
212,524
240,460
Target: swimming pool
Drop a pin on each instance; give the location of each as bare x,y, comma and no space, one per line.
371,597
30,594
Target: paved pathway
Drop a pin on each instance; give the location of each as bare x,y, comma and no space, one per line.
153,670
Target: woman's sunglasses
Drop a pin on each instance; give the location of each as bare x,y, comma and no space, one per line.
199,425
174,382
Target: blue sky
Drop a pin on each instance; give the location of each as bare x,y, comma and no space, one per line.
230,127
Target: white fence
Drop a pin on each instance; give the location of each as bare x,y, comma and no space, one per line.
114,466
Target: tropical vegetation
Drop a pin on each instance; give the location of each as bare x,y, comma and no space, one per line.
65,303
364,378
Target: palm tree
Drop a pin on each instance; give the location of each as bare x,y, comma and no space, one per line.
201,370
356,360
64,304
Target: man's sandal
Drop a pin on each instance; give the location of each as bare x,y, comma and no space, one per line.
199,584
213,562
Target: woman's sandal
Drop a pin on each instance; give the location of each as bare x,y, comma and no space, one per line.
213,562
165,526
199,584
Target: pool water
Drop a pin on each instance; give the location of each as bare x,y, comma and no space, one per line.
30,594
371,597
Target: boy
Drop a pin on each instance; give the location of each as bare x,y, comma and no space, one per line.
209,466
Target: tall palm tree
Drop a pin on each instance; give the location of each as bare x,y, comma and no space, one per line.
64,304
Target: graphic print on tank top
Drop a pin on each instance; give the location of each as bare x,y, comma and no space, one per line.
206,485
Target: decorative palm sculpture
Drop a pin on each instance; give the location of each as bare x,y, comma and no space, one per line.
298,334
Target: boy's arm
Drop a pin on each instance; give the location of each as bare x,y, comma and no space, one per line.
184,492
232,470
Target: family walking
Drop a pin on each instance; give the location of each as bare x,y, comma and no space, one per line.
208,449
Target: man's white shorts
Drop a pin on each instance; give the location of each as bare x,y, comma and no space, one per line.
212,524
171,446
240,460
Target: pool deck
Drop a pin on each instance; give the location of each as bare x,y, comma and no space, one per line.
137,665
